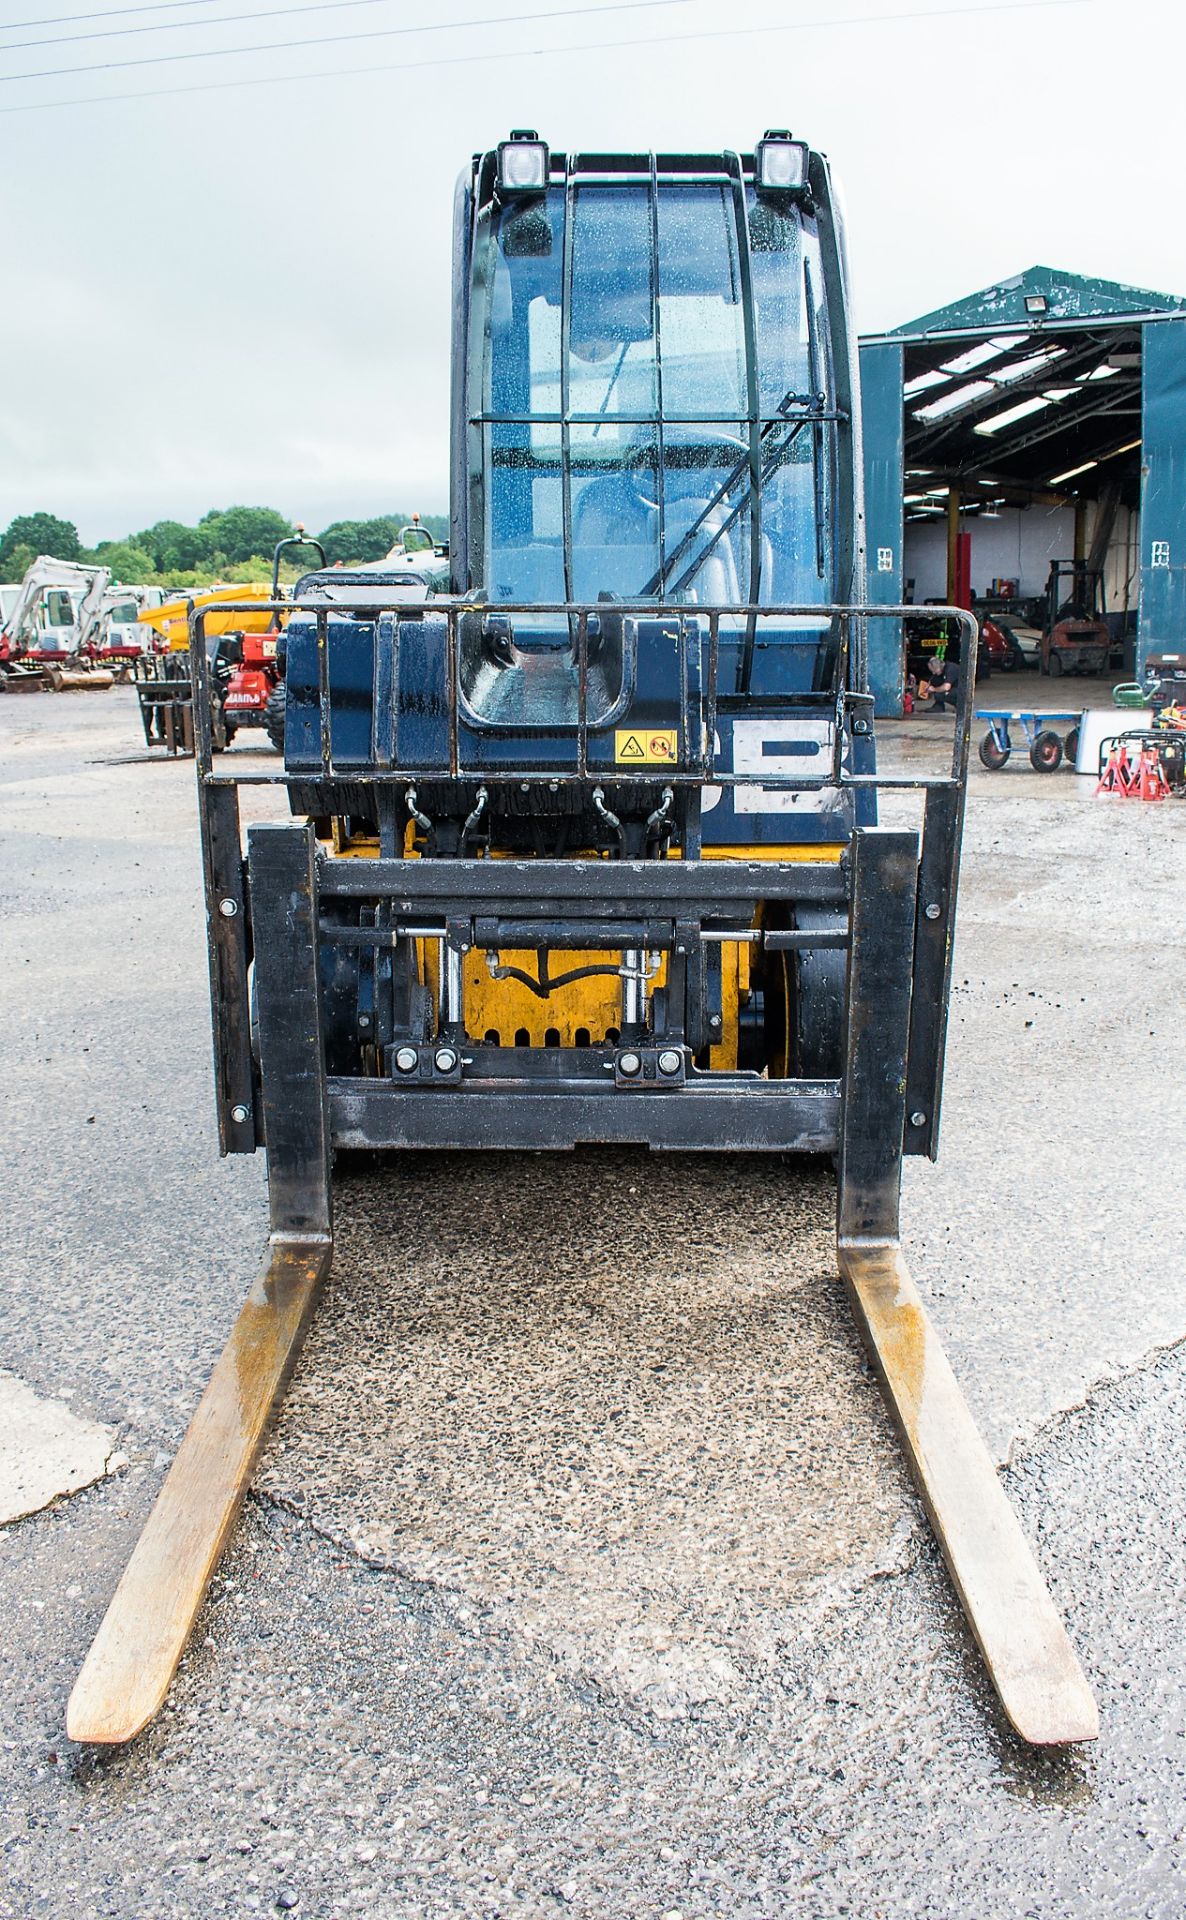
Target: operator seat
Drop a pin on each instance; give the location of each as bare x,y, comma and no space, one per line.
614,534
615,542
715,581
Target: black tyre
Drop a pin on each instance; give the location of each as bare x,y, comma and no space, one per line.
274,716
1046,752
1055,667
1070,748
992,754
802,1032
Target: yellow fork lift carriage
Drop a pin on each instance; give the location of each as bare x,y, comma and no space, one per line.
585,844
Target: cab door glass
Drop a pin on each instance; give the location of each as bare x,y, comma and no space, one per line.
612,395
57,608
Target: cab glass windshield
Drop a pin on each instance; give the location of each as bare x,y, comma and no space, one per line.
653,393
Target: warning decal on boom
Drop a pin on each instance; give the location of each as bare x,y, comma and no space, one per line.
645,746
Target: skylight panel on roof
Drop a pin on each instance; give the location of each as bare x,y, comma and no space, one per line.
961,397
981,353
996,422
923,382
1033,363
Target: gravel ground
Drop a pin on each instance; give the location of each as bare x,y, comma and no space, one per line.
582,1571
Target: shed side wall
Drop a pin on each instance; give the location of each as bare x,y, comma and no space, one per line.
1163,490
882,424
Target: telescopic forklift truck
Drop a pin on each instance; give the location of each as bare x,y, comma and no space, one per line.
241,644
585,848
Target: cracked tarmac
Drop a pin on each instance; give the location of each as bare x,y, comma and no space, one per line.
583,1572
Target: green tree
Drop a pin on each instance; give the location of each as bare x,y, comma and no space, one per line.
17,563
44,533
175,548
361,540
340,541
180,580
358,540
129,564
240,533
377,537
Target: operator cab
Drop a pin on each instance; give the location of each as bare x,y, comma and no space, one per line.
653,410
655,509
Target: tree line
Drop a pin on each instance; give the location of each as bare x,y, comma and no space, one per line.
228,543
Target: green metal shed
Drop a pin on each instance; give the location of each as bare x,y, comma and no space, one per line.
1046,387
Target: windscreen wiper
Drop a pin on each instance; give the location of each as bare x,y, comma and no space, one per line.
814,405
613,381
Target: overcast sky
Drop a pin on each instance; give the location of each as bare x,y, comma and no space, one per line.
243,295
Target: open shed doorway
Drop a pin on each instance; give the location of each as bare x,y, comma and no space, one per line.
1041,421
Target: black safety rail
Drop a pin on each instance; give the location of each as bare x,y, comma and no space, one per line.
850,709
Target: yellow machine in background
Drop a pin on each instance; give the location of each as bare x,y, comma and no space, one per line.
171,621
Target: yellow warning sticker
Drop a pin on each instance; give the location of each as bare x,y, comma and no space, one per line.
645,746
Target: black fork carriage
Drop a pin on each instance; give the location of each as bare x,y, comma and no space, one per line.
881,913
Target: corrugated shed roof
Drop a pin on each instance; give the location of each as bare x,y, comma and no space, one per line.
1069,296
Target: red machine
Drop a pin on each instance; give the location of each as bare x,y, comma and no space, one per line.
253,680
257,676
1075,637
1000,646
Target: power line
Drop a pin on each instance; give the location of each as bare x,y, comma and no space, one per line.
179,26
536,53
332,39
107,13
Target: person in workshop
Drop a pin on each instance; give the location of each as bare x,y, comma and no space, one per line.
939,685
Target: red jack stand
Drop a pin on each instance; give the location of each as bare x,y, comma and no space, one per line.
1150,782
1118,776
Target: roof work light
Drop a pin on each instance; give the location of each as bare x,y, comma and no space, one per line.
780,163
522,164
